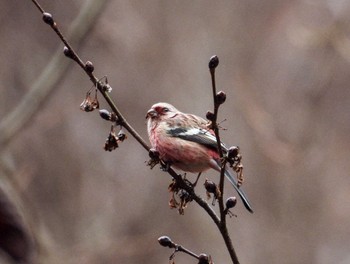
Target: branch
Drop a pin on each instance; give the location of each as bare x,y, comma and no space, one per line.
165,241
219,98
104,88
50,77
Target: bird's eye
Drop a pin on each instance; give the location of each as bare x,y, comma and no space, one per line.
165,109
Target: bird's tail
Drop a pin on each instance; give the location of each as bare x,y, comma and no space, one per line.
240,192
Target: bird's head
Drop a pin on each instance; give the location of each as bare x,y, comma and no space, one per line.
160,111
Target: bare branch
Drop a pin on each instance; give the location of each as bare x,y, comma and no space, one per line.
219,98
50,77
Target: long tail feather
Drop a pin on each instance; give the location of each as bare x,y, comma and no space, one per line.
241,193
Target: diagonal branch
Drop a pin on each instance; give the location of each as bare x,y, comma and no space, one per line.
88,68
50,77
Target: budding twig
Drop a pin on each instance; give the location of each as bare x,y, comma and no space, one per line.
88,68
123,122
165,241
219,98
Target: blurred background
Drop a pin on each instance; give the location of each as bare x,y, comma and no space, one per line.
284,66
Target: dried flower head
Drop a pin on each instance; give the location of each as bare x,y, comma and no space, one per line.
111,141
178,194
90,103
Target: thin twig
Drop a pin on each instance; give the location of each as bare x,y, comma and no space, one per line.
44,85
213,63
220,223
128,127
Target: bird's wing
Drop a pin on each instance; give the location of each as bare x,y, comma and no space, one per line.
199,135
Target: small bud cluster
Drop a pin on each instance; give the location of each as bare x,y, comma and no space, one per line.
180,194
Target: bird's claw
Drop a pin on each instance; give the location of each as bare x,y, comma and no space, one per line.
165,166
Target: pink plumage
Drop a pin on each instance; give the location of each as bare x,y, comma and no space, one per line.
185,142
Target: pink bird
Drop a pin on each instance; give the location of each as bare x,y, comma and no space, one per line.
185,142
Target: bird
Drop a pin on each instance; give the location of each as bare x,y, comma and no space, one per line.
185,142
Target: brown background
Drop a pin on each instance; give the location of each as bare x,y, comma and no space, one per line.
285,68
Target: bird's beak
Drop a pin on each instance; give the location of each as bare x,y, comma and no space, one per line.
151,113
